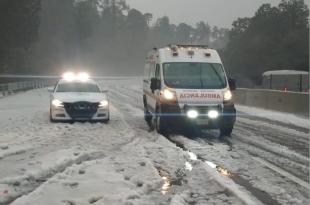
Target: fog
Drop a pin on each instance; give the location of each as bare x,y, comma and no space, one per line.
220,12
112,37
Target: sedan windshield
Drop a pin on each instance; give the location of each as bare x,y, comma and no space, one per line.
78,87
194,75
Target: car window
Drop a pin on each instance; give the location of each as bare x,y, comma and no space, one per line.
78,87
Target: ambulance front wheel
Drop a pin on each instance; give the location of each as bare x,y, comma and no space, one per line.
161,122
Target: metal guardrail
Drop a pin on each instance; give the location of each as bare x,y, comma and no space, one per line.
13,87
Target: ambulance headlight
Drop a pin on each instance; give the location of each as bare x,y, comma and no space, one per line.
57,103
168,94
103,103
227,95
192,114
213,114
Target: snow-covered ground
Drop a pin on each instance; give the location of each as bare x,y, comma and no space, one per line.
125,163
274,115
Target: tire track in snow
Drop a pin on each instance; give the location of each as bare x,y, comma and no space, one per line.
28,183
282,157
298,142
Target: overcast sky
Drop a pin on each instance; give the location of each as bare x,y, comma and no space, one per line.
216,12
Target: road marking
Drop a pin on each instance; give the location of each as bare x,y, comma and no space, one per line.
283,173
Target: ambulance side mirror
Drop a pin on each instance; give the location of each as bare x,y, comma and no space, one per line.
232,83
155,84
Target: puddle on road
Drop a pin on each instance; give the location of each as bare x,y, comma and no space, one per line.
166,178
166,186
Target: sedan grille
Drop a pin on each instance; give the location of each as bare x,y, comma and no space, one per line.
81,110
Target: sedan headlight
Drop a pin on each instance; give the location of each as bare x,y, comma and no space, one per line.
227,95
57,103
104,103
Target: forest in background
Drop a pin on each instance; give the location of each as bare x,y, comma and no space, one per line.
107,37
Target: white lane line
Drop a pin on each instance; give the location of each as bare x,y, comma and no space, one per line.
283,173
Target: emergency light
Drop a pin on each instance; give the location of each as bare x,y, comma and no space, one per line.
70,76
191,52
174,50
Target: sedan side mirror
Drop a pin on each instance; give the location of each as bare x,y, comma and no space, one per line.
232,83
155,84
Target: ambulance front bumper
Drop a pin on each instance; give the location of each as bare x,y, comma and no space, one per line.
208,116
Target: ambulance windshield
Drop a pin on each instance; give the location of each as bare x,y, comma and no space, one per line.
194,75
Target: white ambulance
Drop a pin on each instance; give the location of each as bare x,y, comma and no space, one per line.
186,86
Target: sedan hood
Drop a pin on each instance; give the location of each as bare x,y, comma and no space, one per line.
80,97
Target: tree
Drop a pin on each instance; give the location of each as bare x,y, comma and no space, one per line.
183,33
19,22
275,38
58,37
86,17
203,33
148,18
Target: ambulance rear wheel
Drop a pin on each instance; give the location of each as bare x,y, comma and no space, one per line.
160,122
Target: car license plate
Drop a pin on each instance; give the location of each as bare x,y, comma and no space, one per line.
202,121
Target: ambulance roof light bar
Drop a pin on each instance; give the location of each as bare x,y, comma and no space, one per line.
174,50
188,46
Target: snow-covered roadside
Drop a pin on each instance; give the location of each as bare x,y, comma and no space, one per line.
286,118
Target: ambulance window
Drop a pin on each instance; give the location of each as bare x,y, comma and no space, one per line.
194,75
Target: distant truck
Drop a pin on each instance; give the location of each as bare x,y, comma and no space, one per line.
286,80
186,86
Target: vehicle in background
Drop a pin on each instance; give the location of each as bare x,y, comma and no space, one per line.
186,86
286,80
78,98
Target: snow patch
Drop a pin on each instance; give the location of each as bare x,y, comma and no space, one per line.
275,116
